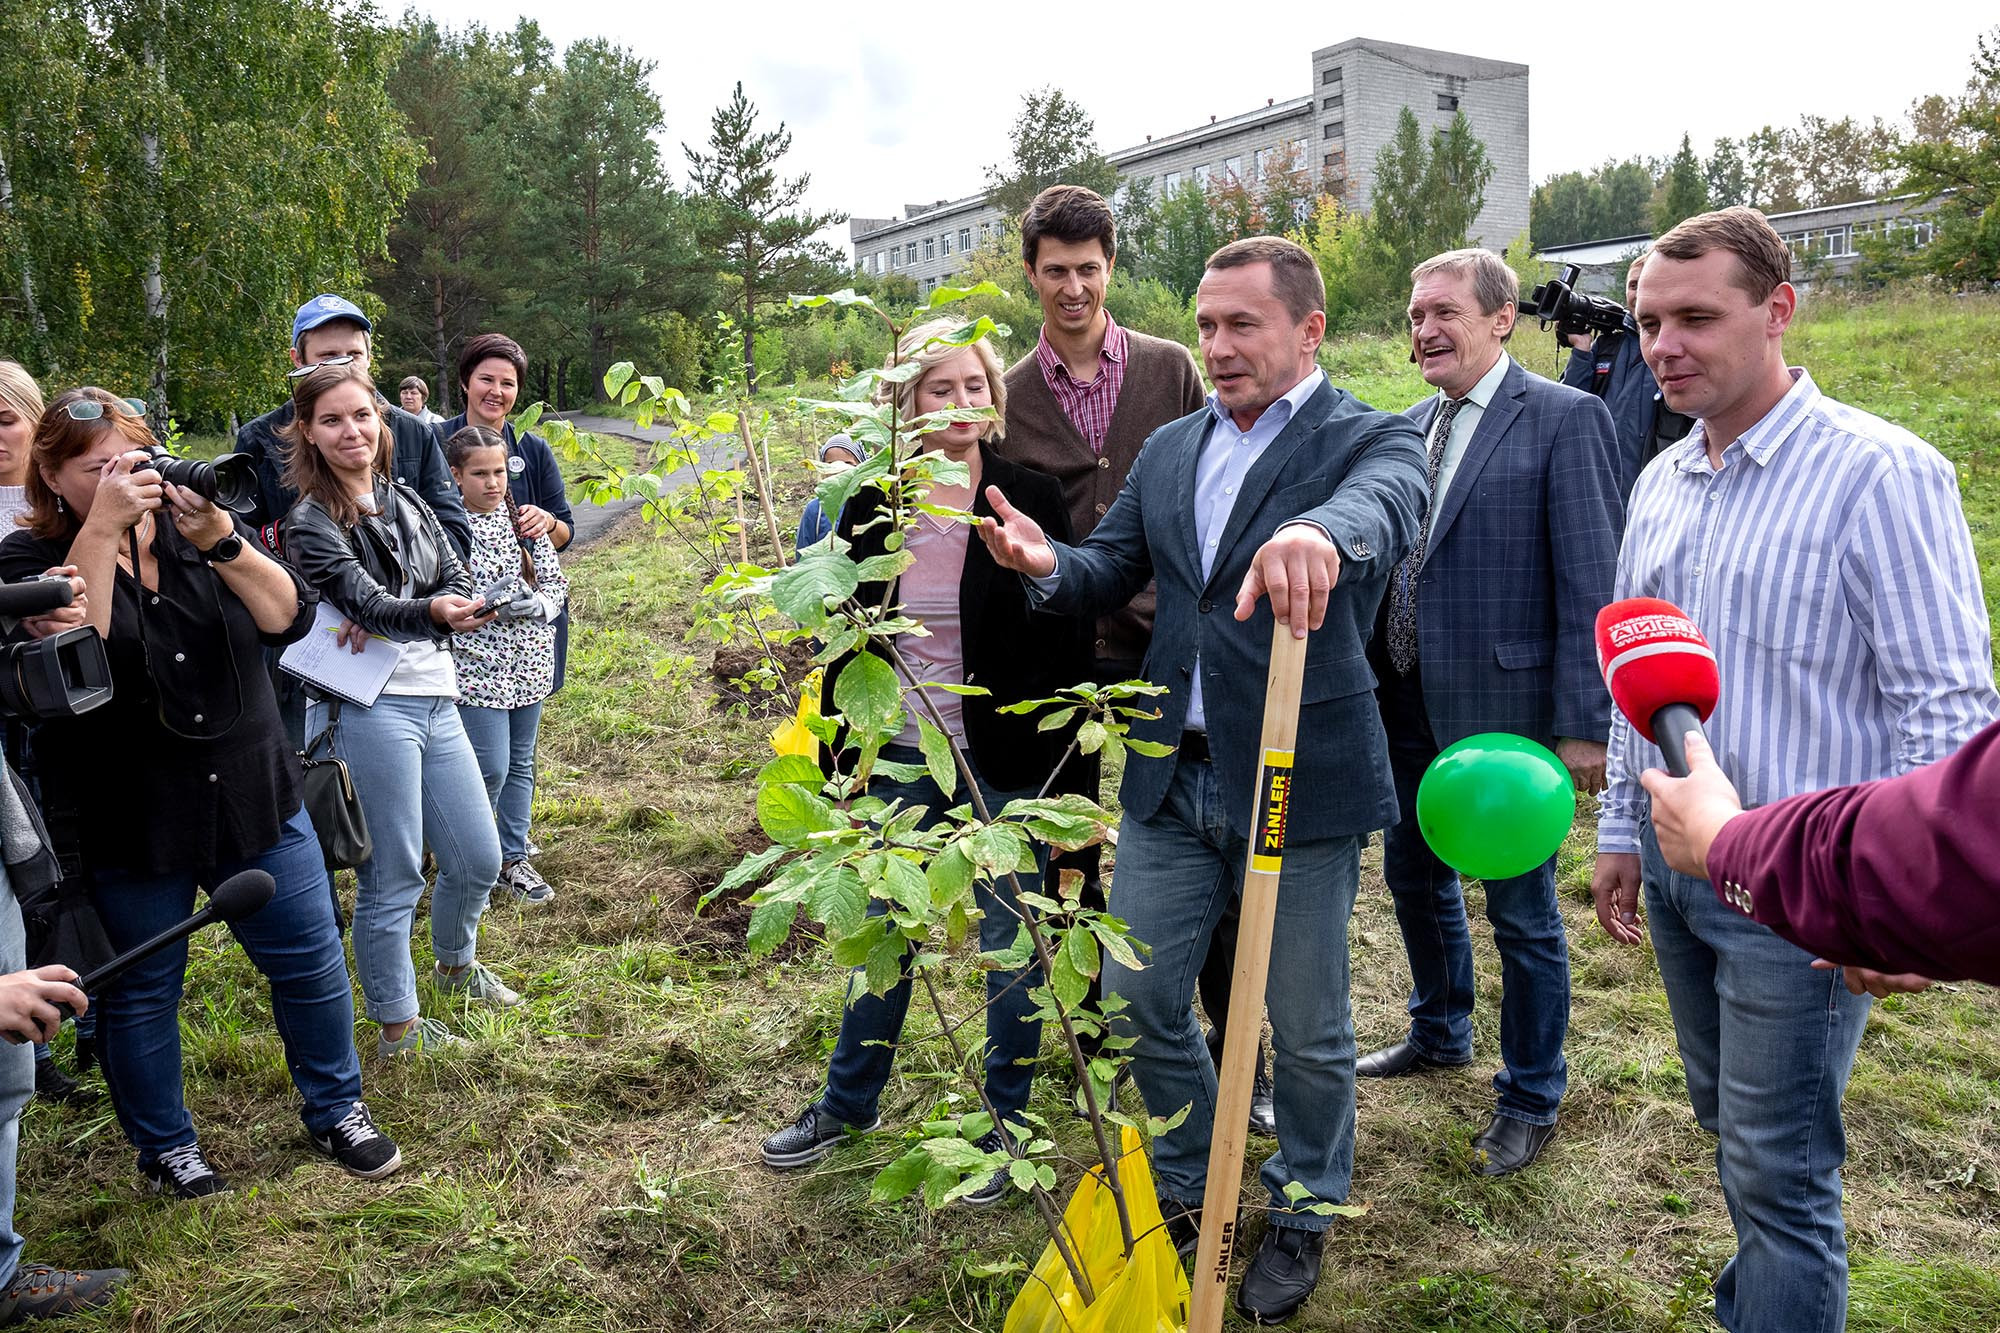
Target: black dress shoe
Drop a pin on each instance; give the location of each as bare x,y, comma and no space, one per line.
1281,1275
1506,1145
1400,1059
1263,1115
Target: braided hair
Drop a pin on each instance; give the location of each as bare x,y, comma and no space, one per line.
458,448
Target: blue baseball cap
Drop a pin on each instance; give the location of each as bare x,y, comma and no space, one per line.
322,308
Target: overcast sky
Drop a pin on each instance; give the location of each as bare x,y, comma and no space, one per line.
895,103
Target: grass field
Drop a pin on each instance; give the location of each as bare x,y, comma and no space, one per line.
591,1164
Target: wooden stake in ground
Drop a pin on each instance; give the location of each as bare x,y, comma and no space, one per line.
1210,1279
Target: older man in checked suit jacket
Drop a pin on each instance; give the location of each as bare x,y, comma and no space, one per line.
1488,626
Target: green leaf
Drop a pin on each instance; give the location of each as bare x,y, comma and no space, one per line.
950,874
802,590
867,695
749,868
770,923
999,848
794,770
966,690
1151,749
838,899
526,419
885,963
1090,736
789,815
616,378
1114,943
937,756
1056,719
944,296
1079,948
882,568
845,296
900,1177
1070,986
906,885
1021,1172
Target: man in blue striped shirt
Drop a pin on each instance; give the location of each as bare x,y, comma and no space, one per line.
1825,554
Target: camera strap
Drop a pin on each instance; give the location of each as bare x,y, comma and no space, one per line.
146,649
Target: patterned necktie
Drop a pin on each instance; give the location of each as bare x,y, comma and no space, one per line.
1403,587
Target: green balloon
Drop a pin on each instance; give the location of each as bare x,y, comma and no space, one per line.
1495,805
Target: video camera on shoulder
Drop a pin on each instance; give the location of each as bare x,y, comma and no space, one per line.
60,676
1573,312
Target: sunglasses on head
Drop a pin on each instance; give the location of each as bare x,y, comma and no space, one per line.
91,409
330,361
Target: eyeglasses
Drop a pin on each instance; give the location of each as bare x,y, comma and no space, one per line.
91,409
330,361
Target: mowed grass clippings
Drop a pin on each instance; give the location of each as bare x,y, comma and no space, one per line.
591,1162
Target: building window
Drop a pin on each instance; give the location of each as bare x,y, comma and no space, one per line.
1263,161
1232,167
1446,102
944,244
910,253
1331,77
1201,175
1331,103
878,262
1170,184
930,248
1331,160
1334,129
965,238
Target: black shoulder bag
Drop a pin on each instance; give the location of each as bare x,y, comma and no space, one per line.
327,790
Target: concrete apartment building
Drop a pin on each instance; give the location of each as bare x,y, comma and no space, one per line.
1357,90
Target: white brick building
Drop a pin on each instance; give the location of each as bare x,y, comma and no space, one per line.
1358,90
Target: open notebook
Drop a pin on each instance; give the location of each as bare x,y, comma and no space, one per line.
318,660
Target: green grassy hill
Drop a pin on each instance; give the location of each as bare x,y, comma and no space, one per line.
591,1163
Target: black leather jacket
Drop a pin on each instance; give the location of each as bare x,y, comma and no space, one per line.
361,570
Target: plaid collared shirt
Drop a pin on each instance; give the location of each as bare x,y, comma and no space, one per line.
1088,406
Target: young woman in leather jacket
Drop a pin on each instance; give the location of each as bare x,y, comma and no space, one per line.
378,555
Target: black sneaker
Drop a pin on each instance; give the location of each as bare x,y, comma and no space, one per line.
360,1148
809,1138
994,1187
184,1173
41,1292
1183,1228
1281,1275
52,1085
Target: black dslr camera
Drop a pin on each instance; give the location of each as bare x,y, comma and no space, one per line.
230,481
60,676
1558,302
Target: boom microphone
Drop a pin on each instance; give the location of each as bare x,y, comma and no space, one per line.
1660,671
233,899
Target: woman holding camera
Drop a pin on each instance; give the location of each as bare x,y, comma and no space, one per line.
184,778
508,668
378,555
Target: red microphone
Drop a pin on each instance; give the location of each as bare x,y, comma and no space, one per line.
1660,671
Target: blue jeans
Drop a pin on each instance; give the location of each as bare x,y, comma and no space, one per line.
17,1080
504,740
872,1025
293,941
1430,909
1175,874
1768,1044
418,781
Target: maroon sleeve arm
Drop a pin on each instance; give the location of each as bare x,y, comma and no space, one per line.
1901,875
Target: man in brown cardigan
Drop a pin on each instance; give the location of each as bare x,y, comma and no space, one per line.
1079,408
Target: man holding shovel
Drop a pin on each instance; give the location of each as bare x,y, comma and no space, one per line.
1288,488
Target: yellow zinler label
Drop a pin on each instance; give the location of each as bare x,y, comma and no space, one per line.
1274,789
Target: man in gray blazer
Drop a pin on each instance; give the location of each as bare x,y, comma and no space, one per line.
1489,627
1284,488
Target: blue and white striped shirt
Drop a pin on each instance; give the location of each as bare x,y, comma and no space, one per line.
1829,564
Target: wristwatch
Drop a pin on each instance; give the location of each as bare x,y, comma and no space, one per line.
224,551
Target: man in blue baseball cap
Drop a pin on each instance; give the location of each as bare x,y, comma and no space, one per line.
332,328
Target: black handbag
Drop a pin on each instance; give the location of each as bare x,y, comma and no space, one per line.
331,802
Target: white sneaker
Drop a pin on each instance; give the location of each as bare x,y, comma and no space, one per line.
422,1037
524,884
478,982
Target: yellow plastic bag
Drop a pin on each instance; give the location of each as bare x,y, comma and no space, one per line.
792,735
1147,1294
